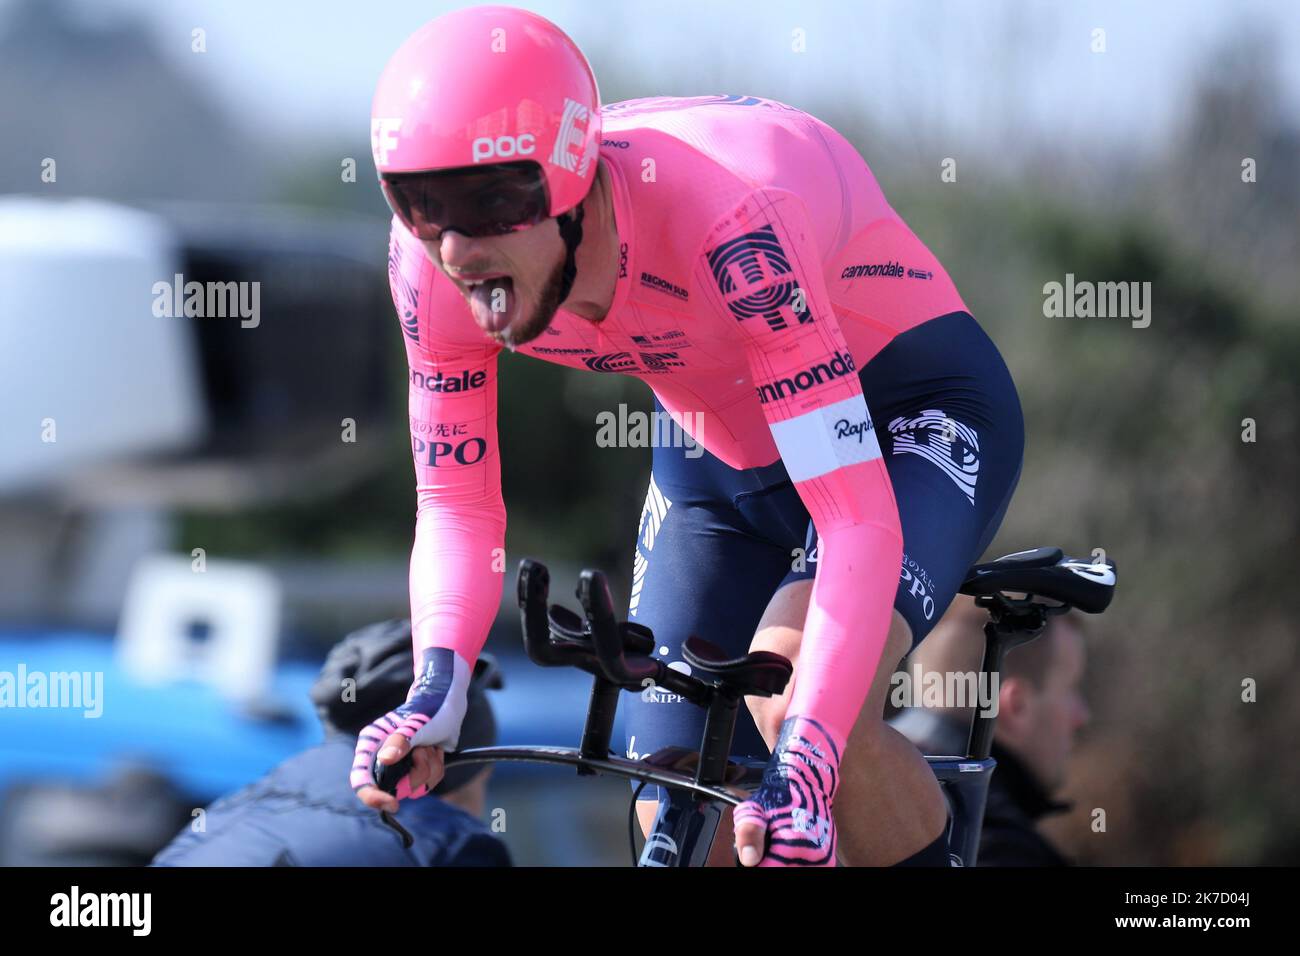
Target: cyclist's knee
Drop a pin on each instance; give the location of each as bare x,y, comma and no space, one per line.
871,732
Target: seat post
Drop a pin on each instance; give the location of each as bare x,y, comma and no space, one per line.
1010,625
981,732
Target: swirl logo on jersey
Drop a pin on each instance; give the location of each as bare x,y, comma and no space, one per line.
753,273
660,361
940,439
653,513
611,362
406,299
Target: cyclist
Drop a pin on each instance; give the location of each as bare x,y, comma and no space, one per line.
738,256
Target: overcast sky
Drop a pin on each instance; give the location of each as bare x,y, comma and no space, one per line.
973,69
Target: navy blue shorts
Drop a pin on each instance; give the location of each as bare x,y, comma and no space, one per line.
716,543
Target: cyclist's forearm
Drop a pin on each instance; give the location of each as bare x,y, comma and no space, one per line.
457,566
847,624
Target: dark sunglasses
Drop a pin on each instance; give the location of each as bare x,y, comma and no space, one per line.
472,200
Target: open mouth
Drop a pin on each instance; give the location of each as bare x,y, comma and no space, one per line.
491,299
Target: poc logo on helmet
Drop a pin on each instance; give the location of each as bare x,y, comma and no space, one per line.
503,147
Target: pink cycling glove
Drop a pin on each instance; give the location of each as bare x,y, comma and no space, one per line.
793,803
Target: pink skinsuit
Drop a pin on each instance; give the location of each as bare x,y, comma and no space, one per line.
747,229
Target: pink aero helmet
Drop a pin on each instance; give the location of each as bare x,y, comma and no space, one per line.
490,85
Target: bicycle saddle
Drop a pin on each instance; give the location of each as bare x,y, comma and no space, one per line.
1046,572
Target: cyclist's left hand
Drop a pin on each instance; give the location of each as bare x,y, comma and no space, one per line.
788,822
427,768
429,721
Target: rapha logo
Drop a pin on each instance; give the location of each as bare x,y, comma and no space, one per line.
844,428
938,438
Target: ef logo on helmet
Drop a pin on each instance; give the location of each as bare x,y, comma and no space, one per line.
503,147
383,137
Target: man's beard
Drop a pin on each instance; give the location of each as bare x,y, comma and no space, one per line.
530,327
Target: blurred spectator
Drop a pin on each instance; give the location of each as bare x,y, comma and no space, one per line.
119,822
304,813
1040,709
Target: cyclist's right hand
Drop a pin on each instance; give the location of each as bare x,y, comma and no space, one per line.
429,721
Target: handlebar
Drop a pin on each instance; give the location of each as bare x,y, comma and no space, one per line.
593,595
600,644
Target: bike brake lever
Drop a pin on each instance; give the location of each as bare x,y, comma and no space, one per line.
387,777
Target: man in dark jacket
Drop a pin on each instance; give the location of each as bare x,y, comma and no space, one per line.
1039,711
304,813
